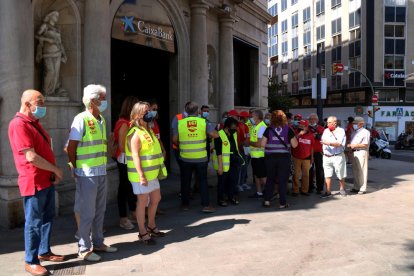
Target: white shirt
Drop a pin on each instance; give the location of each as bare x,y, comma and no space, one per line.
361,136
336,136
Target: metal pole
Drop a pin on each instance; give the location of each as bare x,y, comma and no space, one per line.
319,109
372,92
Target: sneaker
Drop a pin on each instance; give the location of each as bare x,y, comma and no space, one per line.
362,192
105,248
342,193
256,195
208,209
246,186
266,203
326,195
89,256
240,188
126,224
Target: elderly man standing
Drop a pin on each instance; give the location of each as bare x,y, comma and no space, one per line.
333,141
38,173
87,157
359,145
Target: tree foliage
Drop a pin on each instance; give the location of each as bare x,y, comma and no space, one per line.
276,100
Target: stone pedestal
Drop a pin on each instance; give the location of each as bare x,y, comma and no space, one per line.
226,79
198,49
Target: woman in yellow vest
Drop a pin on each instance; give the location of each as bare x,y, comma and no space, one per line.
227,162
145,164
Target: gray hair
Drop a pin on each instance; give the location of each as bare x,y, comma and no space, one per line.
258,113
91,92
313,115
191,108
333,118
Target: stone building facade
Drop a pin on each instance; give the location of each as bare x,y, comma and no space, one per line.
210,51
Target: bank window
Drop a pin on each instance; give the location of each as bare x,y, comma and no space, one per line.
284,26
336,26
320,32
334,98
409,95
395,46
335,3
295,20
306,14
355,19
394,77
394,62
320,7
391,95
284,5
395,14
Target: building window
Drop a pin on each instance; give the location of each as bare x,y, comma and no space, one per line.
284,5
395,46
336,26
320,32
294,2
321,46
284,26
307,38
295,43
320,7
337,40
306,14
355,57
394,31
409,95
355,34
355,19
295,20
284,65
395,14
295,82
357,97
334,98
284,48
307,78
273,10
394,78
389,95
285,80
335,3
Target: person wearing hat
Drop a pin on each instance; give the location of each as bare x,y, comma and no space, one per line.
296,119
245,153
302,158
359,146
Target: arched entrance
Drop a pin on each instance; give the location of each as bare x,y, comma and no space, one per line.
145,58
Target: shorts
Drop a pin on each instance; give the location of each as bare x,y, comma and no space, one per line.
259,167
335,164
139,189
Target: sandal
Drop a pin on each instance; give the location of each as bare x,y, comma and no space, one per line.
284,206
149,241
155,232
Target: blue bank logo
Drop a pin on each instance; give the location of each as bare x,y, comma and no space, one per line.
127,24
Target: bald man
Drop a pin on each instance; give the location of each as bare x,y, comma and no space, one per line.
36,165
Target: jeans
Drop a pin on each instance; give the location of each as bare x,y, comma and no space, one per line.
277,167
92,211
318,166
243,169
227,183
186,175
180,164
39,211
125,194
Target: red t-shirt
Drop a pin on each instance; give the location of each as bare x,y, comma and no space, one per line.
156,129
318,131
241,135
305,146
24,134
118,125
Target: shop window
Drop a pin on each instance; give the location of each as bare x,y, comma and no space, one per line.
409,95
334,98
357,97
391,95
306,101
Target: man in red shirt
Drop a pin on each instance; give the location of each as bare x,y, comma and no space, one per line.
38,173
302,158
317,166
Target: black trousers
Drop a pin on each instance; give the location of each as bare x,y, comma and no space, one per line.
277,167
227,183
125,193
317,169
186,175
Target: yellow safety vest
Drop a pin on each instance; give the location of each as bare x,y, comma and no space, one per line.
91,150
192,139
256,152
250,126
225,151
152,160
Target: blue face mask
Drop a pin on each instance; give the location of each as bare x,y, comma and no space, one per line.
205,114
252,121
39,112
267,121
154,113
103,106
295,122
148,117
185,114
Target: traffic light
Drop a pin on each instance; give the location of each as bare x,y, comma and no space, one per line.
334,68
376,109
369,113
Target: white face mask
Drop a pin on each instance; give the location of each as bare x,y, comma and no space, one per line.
355,127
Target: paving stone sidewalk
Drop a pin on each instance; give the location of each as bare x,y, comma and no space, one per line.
371,234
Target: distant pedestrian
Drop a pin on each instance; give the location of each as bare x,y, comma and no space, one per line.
359,146
277,141
334,161
317,166
38,174
348,132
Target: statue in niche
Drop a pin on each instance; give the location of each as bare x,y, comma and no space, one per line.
211,95
52,52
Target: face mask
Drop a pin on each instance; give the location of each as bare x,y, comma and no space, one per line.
148,117
154,113
313,124
232,130
355,127
252,121
205,114
224,120
267,121
39,112
103,106
331,127
295,122
185,114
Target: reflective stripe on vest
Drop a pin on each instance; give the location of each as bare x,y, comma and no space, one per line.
91,150
256,152
225,151
179,118
152,160
192,139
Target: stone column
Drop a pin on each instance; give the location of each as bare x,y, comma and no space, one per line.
16,75
226,63
198,50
